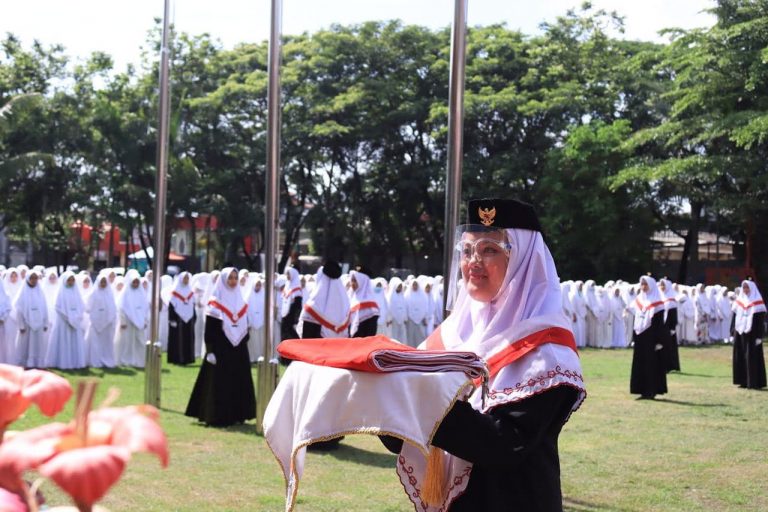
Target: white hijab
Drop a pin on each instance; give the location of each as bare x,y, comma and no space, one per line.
364,294
746,307
398,311
133,301
256,300
5,302
31,305
183,297
69,302
13,289
227,305
647,304
329,301
417,302
101,306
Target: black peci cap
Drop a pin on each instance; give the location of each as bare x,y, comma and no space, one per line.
332,269
503,214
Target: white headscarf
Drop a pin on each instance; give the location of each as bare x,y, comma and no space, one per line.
101,306
227,305
578,302
398,311
362,302
592,300
328,305
256,301
417,302
746,306
13,289
647,304
31,306
183,297
133,301
50,289
69,302
292,286
5,302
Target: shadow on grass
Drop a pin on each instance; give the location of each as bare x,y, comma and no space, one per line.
694,404
97,372
684,374
574,505
354,454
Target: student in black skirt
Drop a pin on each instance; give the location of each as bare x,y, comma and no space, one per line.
223,394
748,357
181,321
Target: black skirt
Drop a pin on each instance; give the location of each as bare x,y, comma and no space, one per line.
649,376
181,338
223,393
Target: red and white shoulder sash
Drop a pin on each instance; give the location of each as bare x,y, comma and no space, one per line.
234,317
325,323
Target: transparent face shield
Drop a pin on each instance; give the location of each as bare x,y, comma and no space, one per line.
473,242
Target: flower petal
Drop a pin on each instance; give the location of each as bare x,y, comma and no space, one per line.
12,402
27,450
47,390
139,433
86,474
10,502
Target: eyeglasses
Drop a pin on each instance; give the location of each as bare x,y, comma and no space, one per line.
485,248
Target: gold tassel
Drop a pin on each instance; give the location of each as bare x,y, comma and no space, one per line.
433,491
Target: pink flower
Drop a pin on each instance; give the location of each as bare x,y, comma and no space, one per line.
19,388
85,459
10,502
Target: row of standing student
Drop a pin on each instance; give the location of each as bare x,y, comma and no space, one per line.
655,348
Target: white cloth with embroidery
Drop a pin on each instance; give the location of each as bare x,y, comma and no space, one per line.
316,403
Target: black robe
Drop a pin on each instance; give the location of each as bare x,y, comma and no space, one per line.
223,393
367,327
748,358
289,321
649,377
513,449
181,338
670,353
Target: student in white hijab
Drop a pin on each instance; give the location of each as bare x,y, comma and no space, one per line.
256,301
724,305
326,313
417,307
66,346
133,309
223,393
594,311
703,312
649,376
604,318
200,287
181,321
397,310
380,296
579,304
363,308
102,313
13,283
748,357
686,316
32,317
618,327
291,305
502,447
671,354
7,336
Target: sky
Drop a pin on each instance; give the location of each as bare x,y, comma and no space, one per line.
119,27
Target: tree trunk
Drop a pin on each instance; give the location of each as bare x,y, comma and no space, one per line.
690,257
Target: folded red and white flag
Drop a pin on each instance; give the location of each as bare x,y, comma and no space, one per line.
380,354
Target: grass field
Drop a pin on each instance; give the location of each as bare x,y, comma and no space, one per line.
700,447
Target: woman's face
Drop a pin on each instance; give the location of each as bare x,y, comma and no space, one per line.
232,279
70,281
353,283
644,286
32,280
745,289
257,286
135,283
484,266
185,279
103,282
86,284
15,277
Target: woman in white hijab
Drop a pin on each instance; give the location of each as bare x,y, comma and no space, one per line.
397,310
102,313
66,346
703,312
200,287
380,296
181,321
326,313
133,309
13,283
363,308
291,305
417,307
649,376
724,305
256,301
32,317
671,354
223,393
579,304
7,336
594,311
618,327
748,357
501,446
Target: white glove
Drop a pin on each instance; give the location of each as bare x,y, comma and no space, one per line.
210,357
659,346
758,342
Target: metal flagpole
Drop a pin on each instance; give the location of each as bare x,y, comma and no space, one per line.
455,132
153,349
267,376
